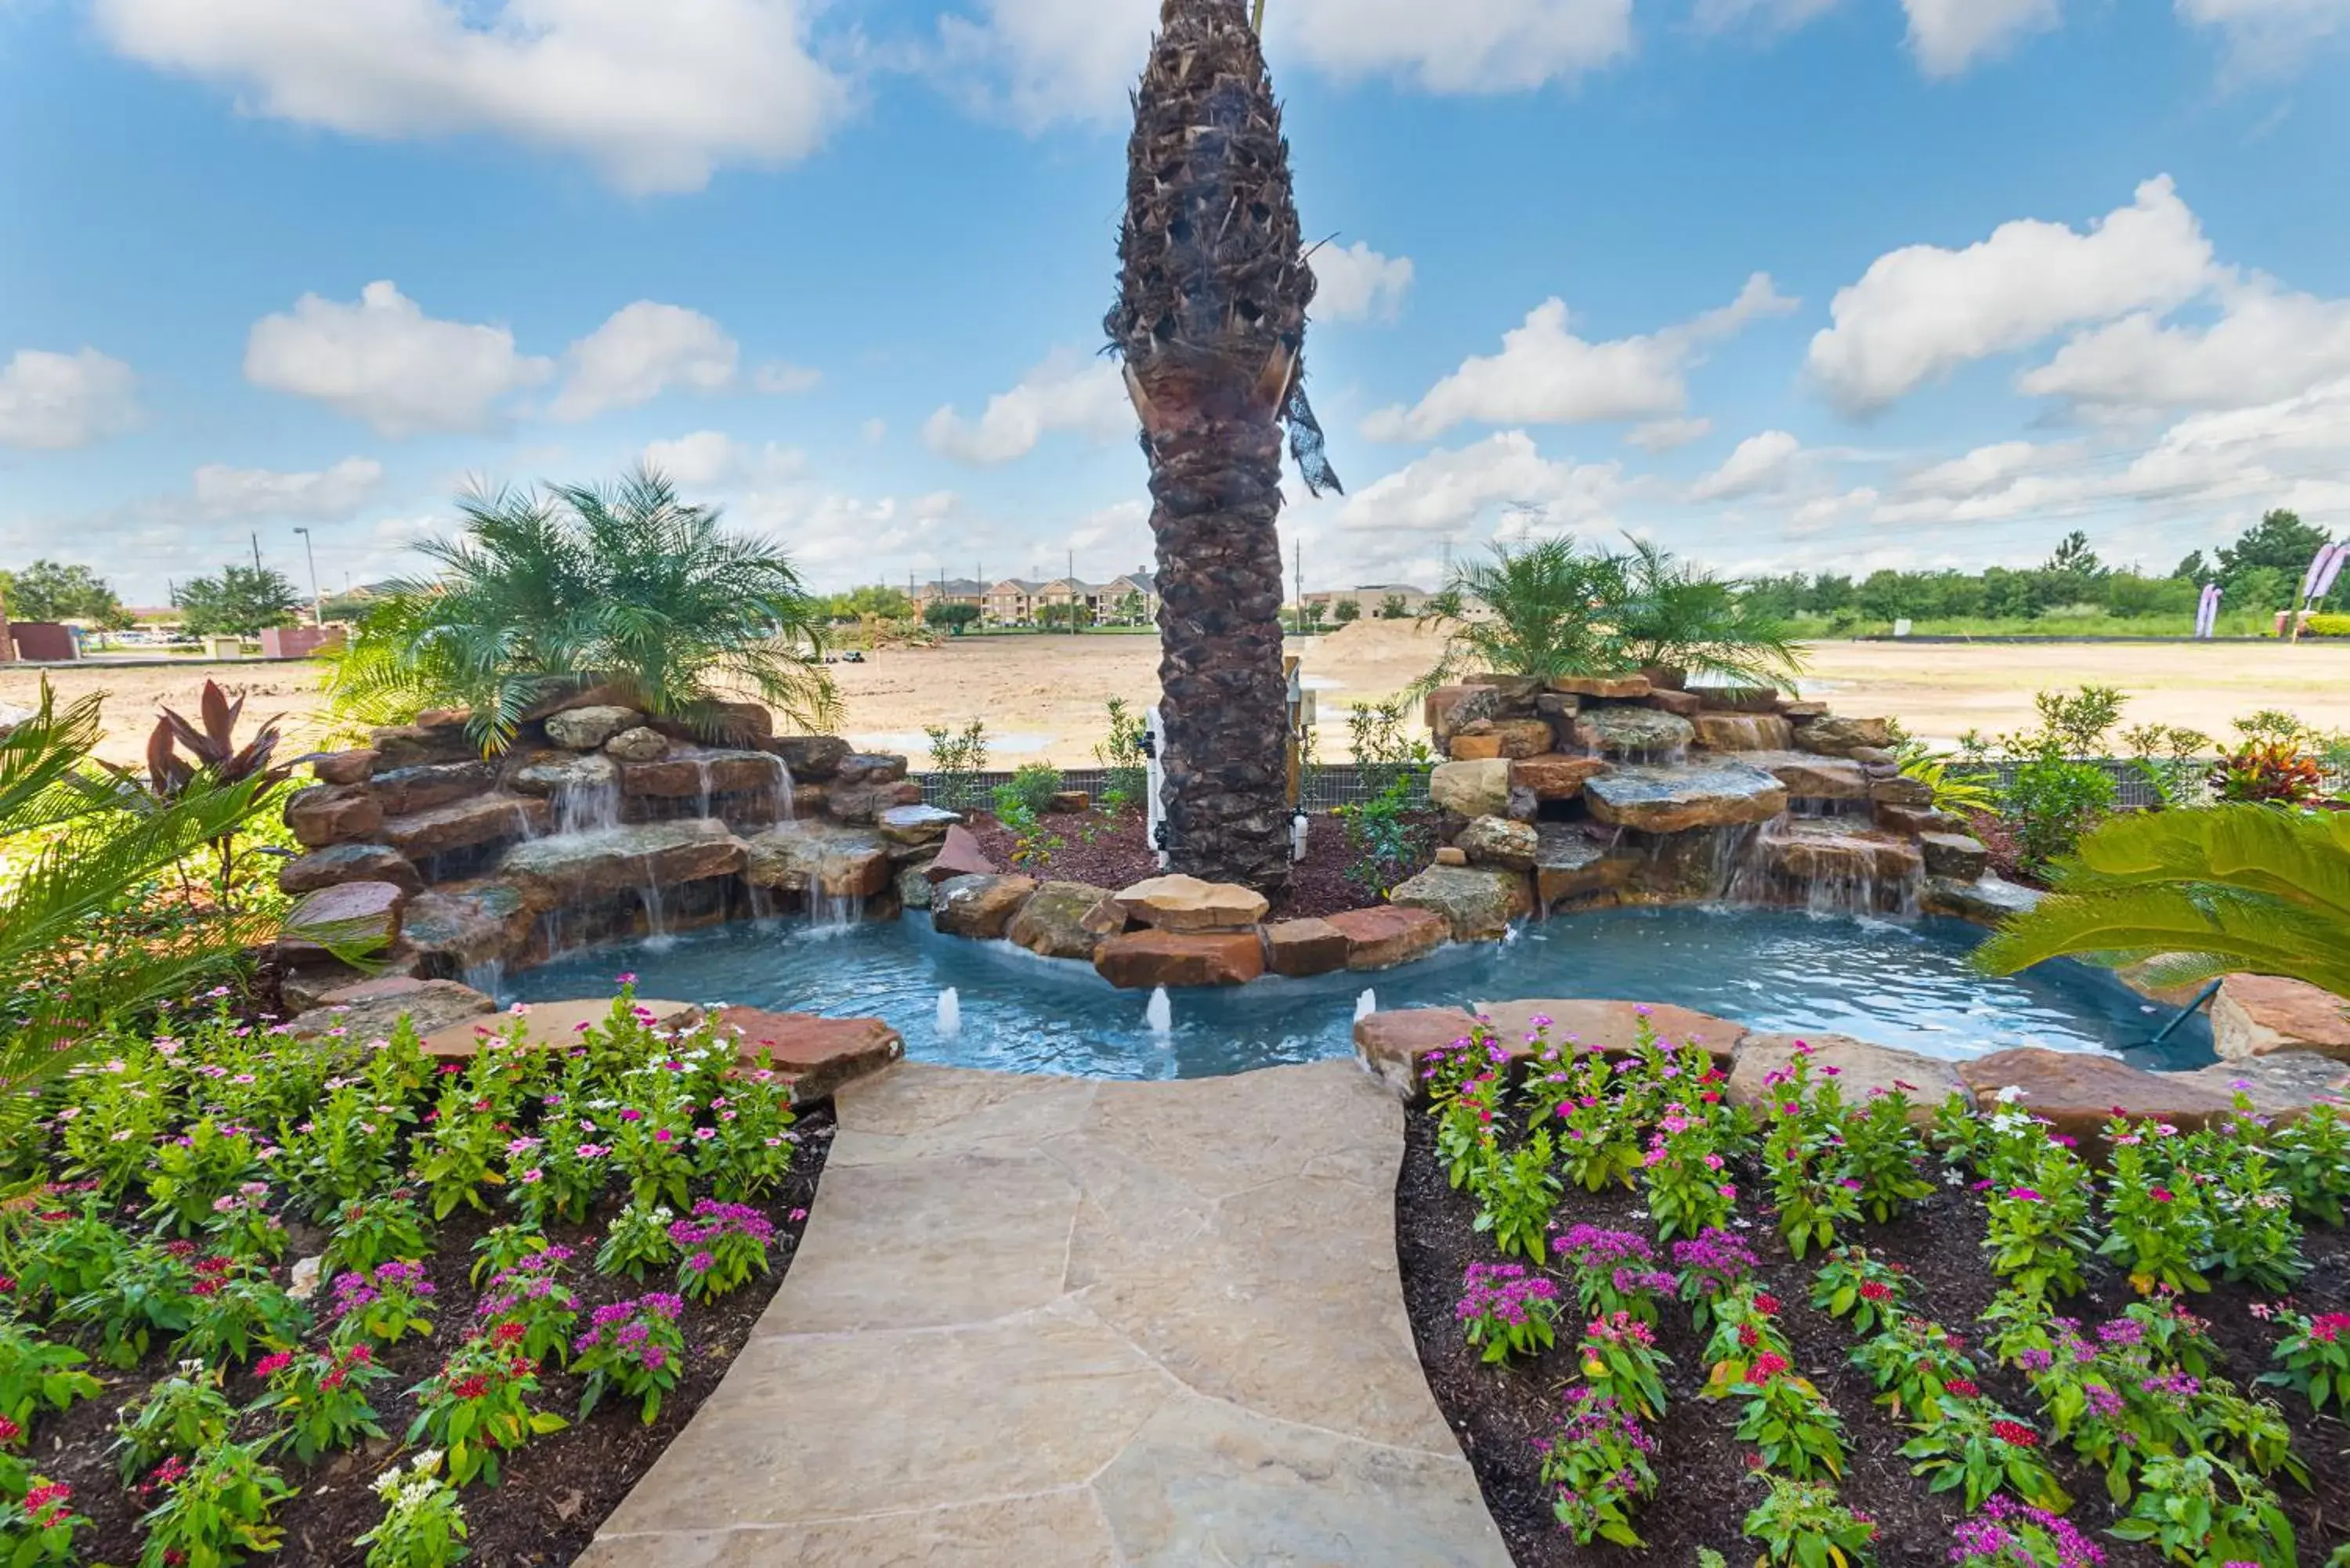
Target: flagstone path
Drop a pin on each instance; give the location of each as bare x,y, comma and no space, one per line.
1053,1322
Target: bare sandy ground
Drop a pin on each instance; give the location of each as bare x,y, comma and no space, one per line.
1043,696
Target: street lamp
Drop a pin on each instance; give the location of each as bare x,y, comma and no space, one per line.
317,599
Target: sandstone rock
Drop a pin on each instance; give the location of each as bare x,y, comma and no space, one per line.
1515,691
1617,687
332,813
1471,789
583,866
1632,731
1066,920
1447,855
819,859
1875,757
2077,1091
2280,1086
1834,737
1144,960
422,744
1956,855
303,986
1483,748
451,929
914,886
1831,852
1570,864
1675,798
1680,704
1069,803
351,920
1901,790
1479,903
1916,821
959,856
586,729
688,774
1524,804
862,803
553,773
1554,776
1523,738
1743,699
551,1025
812,759
916,824
638,745
1385,937
2260,1015
1300,949
871,768
1188,904
1613,1027
341,863
1802,712
1744,733
821,1055
468,825
1556,706
1451,709
747,724
373,1010
355,767
1496,841
1393,1045
1987,901
980,908
403,792
1810,777
1861,1071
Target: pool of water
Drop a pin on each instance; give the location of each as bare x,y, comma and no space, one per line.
1903,984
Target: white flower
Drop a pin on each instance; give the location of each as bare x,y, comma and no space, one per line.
2010,1095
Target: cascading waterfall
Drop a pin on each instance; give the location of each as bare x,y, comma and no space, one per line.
587,807
1827,865
1366,1005
1158,1016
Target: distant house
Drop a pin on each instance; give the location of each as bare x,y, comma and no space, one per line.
952,591
1013,602
1371,599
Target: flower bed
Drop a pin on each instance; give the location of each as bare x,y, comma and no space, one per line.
536,1265
1819,1326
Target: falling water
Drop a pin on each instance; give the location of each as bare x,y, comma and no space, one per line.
488,977
831,914
656,914
1160,1016
588,807
1366,1005
950,1013
779,793
702,775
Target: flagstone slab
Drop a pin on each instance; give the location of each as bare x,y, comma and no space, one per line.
1050,1530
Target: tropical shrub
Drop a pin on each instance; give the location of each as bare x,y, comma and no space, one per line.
217,1508
1508,1311
1599,1464
956,756
2268,772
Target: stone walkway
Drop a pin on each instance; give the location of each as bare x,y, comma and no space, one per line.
1058,1323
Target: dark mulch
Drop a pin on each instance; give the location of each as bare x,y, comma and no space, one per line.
1107,851
1499,1414
2006,859
554,1493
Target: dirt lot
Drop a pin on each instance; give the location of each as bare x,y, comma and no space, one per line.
1042,696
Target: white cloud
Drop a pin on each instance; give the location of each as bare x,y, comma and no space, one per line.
657,96
1921,312
229,494
642,351
49,402
2269,35
1066,393
707,459
1949,35
1668,435
1356,282
1033,62
1448,491
2268,345
1544,374
384,360
1761,465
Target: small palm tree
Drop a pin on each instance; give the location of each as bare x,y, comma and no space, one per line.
1682,617
2251,888
1548,610
550,592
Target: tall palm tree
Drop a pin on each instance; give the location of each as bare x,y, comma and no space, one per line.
2256,888
1211,322
547,592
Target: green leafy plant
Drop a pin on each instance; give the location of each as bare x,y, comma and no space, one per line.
2198,1510
1690,1191
719,1249
957,756
634,1349
242,1227
424,1525
1600,1464
1788,1419
320,1397
237,1307
637,1242
217,1510
1032,843
37,1375
1035,784
1384,840
1508,1311
1802,1525
2039,1235
1123,759
1620,1359
39,1526
1678,617
1550,613
1959,790
1517,1193
477,1408
2313,1359
1850,1283
183,1414
1975,1446
384,1305
370,1232
2155,1224
150,1292
2170,758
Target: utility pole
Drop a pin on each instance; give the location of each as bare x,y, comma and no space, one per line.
256,553
317,599
1298,556
1073,592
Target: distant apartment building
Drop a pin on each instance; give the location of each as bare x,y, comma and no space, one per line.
1130,599
950,591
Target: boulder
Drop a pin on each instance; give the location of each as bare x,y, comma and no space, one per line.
1800,711
1680,704
812,759
1632,732
1451,709
689,775
1811,777
1144,960
1524,804
2280,1086
2260,1015
372,1010
1958,856
1497,841
1902,790
1743,732
1478,902
862,803
819,859
1188,904
1069,803
914,886
1613,1027
582,867
1066,920
1874,757
820,1055
1861,1072
1675,798
2077,1091
871,768
1447,855
1471,789
1830,851
1919,820
404,791
916,824
1477,748
1301,949
1743,699
1393,1045
980,908
432,739
1523,738
1385,936
354,767
959,856
1834,737
550,1025
586,729
1613,688
332,813
351,920
1571,865
340,863
1515,691
640,745
1555,776
468,825
451,929
1987,901
553,773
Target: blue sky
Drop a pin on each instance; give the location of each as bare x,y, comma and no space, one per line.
1817,284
